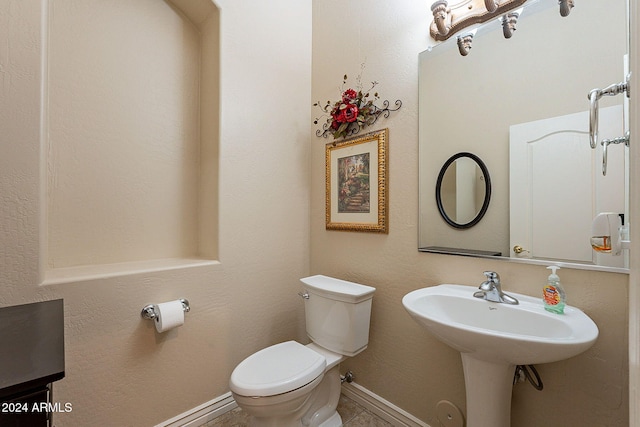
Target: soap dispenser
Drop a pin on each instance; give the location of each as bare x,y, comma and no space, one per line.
553,294
609,234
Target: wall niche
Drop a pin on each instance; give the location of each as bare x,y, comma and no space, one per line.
133,128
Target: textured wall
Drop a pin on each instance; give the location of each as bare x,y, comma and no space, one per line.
118,370
124,134
403,363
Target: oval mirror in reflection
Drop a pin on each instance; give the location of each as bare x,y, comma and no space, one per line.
463,190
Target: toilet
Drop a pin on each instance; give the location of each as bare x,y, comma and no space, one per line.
290,384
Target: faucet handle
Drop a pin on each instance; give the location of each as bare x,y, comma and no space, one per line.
492,277
492,282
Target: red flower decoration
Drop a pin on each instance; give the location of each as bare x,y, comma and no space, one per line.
354,110
350,113
349,96
345,113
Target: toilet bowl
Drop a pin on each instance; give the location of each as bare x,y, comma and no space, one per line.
280,385
292,385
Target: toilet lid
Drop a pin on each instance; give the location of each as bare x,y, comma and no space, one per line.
277,369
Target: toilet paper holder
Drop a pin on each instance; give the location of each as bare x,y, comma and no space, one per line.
149,313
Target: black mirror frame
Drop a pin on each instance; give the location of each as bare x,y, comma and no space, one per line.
487,194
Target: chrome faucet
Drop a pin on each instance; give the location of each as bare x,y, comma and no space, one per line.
491,290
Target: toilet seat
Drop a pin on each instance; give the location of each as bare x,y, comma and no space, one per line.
278,369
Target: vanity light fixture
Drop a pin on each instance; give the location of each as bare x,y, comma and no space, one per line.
566,6
509,22
491,5
464,43
441,18
449,20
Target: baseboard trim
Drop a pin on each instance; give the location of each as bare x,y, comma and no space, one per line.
203,413
381,407
369,400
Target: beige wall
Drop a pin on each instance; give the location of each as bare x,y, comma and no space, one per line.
403,363
119,371
123,150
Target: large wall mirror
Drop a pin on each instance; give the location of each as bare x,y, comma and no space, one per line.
530,90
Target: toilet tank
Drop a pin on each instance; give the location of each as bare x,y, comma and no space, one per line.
337,313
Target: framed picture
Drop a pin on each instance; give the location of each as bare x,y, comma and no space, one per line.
356,183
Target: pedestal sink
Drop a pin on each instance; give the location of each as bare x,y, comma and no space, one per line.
495,337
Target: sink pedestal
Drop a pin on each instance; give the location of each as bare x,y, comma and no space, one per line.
488,390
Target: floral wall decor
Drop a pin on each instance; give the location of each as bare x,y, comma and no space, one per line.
355,110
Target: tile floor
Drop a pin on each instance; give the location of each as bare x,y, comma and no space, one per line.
353,415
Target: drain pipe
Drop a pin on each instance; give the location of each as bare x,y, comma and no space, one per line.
523,372
347,378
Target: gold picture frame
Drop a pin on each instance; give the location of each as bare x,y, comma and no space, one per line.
356,183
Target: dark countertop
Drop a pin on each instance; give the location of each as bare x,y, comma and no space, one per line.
31,346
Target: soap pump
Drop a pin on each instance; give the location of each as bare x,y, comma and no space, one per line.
609,234
553,294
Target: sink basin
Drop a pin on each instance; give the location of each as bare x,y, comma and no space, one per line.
522,334
495,337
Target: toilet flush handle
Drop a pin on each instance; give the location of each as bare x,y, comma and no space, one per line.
304,295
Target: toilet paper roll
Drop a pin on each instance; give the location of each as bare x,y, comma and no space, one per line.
169,315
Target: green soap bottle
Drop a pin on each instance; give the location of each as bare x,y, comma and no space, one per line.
553,294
